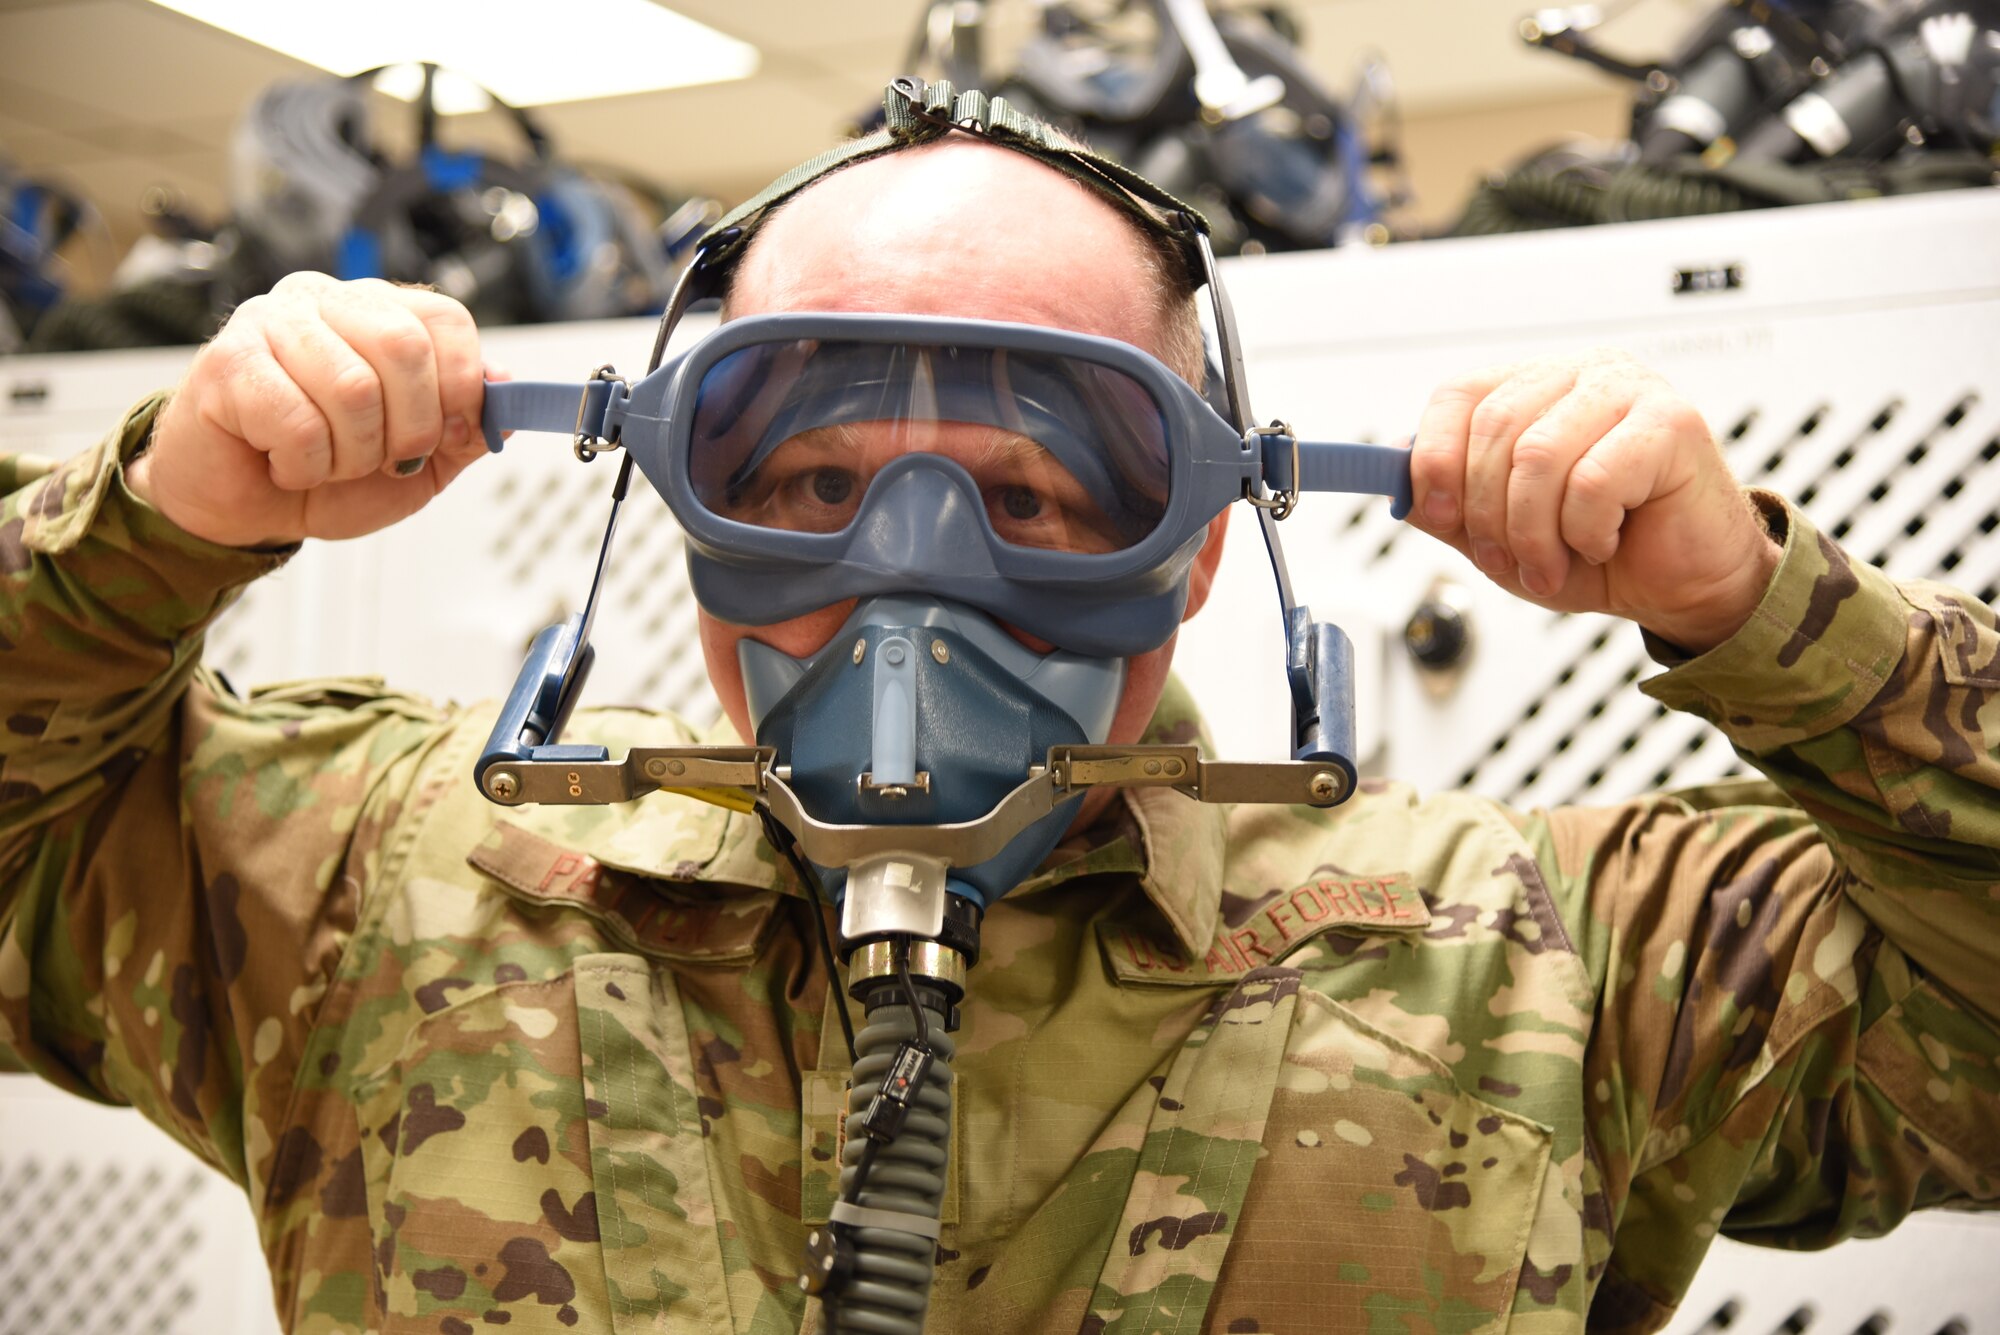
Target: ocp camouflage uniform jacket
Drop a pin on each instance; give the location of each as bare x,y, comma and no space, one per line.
1417,1062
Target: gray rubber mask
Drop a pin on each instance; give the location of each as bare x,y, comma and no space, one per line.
925,712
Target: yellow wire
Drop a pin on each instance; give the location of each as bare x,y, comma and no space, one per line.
732,798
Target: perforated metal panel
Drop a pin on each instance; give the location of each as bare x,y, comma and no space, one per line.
1932,1276
1857,370
107,1227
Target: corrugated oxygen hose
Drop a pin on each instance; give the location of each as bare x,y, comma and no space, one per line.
1639,193
159,314
1539,196
891,1287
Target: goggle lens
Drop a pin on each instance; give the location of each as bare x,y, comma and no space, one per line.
1067,455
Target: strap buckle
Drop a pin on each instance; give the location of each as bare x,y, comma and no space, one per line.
1279,503
588,445
947,108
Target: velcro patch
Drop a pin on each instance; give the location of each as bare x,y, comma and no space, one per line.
1282,922
714,924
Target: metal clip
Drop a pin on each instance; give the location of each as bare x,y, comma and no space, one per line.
866,784
971,110
1280,503
586,446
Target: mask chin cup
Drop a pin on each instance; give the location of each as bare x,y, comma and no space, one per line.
923,712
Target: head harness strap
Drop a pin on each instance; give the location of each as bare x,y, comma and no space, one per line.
917,113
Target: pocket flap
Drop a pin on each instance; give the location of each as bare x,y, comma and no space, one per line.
712,925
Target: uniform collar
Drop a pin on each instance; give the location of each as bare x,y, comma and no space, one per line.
1184,842
1174,845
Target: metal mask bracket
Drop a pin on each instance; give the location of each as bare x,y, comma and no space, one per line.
523,751
742,777
1319,658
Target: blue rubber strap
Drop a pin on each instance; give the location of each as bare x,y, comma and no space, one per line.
539,405
1377,470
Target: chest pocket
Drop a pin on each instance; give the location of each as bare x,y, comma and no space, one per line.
534,1160
477,1152
1385,1196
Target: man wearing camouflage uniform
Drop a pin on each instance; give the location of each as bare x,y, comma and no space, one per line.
1411,1063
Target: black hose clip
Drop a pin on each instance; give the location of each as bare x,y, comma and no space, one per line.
828,1263
901,1084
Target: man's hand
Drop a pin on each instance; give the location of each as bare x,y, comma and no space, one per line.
323,410
1586,484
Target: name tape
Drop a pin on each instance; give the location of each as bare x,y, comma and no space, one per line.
1281,923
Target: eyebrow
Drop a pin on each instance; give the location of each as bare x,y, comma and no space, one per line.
1011,446
999,445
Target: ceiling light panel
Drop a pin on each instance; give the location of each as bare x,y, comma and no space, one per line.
526,52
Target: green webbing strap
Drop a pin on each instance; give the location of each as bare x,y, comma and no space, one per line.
918,113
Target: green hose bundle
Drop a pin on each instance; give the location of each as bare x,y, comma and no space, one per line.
161,313
1564,189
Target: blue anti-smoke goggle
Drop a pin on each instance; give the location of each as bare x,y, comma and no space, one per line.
1058,481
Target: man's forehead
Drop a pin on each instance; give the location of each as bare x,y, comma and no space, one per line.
953,228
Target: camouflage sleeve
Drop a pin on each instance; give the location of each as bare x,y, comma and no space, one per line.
1798,1036
171,896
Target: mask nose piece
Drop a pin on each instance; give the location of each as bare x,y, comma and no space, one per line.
893,759
923,515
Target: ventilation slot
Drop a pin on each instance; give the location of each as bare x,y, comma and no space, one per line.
99,1248
1898,485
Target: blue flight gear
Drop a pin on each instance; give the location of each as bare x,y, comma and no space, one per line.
911,688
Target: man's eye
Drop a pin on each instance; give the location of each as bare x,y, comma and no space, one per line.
1020,503
831,486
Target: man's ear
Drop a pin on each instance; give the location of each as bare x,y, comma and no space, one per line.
1201,575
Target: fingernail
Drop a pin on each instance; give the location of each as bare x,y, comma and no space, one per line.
1535,582
409,467
1490,556
456,433
1441,509
1594,560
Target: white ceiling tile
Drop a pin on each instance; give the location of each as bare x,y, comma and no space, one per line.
137,140
134,61
805,26
861,70
46,111
115,185
692,138
45,151
12,127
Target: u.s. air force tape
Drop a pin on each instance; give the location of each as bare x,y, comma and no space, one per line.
861,1216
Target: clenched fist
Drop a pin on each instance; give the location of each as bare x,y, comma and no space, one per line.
1587,484
322,410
